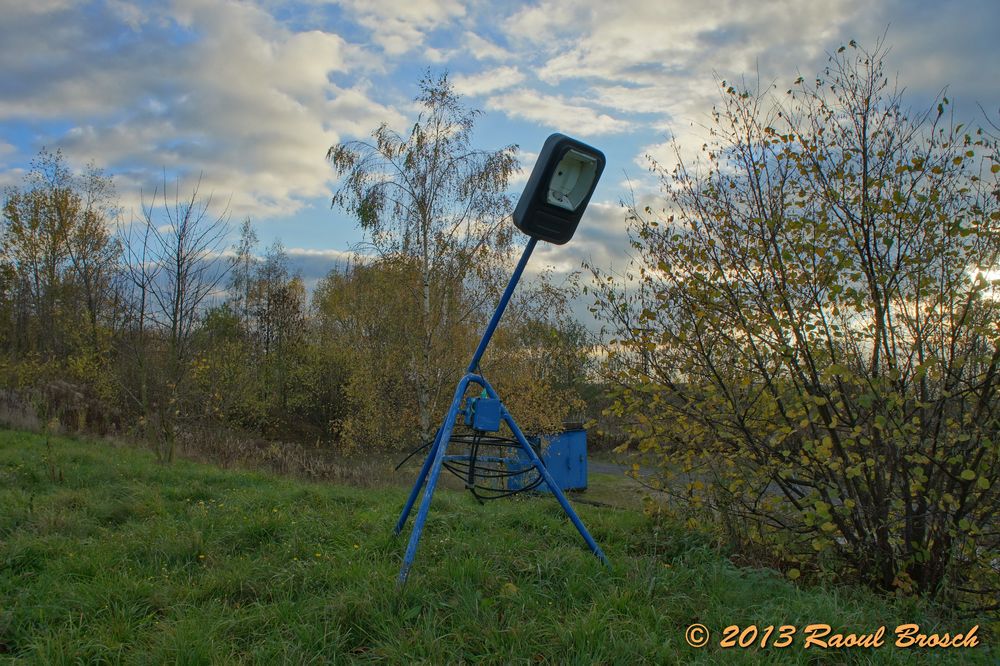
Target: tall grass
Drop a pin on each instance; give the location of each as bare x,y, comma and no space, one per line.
107,556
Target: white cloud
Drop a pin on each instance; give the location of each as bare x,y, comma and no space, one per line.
14,8
483,49
11,177
438,56
634,41
549,18
663,58
489,81
519,178
314,264
332,255
130,13
400,26
601,239
244,101
554,111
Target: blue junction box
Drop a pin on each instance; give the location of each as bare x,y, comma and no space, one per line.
483,414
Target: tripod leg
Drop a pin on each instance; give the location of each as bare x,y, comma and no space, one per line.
418,484
554,487
444,435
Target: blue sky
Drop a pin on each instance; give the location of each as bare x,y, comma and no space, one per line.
250,95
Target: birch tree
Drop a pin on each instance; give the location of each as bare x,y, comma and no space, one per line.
431,196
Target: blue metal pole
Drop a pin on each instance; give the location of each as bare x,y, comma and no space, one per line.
419,484
444,435
553,486
504,300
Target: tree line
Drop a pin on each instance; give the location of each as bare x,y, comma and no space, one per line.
162,327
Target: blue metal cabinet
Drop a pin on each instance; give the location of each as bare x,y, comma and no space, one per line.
564,456
566,459
521,462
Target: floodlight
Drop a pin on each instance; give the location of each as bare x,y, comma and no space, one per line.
559,189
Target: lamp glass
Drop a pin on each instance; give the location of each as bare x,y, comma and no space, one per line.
571,180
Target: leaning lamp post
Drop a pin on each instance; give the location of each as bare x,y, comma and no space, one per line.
550,208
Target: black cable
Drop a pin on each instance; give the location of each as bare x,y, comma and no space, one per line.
470,469
411,454
471,481
498,494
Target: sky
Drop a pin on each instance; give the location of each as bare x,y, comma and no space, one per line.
249,95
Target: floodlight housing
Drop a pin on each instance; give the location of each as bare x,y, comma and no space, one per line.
559,189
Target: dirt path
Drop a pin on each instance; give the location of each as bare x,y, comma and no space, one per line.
611,467
603,467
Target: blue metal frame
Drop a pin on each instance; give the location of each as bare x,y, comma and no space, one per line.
501,306
432,465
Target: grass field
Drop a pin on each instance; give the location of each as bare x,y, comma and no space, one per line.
106,556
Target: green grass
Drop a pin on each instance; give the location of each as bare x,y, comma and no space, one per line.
106,556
